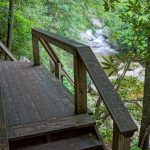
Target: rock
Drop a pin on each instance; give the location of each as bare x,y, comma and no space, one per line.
99,32
111,78
97,23
98,41
89,32
86,37
105,31
136,70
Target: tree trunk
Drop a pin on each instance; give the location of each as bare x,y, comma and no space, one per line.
146,100
10,24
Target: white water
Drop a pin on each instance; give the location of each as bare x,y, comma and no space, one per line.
99,43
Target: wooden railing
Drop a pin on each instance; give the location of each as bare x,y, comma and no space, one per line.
5,54
56,64
85,61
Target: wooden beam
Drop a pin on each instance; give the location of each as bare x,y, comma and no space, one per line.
52,67
50,126
58,71
61,42
110,97
80,86
4,143
65,74
36,53
7,52
120,142
50,51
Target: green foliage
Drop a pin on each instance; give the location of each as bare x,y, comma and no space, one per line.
111,65
135,18
134,145
131,88
129,26
66,18
3,20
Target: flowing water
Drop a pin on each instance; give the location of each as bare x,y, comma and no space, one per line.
98,41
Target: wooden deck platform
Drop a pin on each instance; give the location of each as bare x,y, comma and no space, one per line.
32,94
38,109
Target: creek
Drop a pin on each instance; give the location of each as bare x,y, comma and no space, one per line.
98,40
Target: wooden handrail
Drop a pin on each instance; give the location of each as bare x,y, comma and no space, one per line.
7,52
85,60
63,43
56,60
110,97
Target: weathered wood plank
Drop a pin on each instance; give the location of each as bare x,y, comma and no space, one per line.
83,142
50,126
44,88
80,86
50,51
111,99
36,53
58,72
25,94
62,99
4,144
65,96
120,142
64,73
61,42
9,106
16,92
6,51
33,94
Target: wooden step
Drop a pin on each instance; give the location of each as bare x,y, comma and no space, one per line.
84,142
49,126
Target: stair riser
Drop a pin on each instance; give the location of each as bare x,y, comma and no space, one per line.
49,137
58,134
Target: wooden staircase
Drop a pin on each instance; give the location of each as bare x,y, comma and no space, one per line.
82,142
39,113
75,132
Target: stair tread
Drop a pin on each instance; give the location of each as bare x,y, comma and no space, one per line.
83,142
50,126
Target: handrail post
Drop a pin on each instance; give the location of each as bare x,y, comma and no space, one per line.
52,69
58,70
80,86
120,142
36,54
5,55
